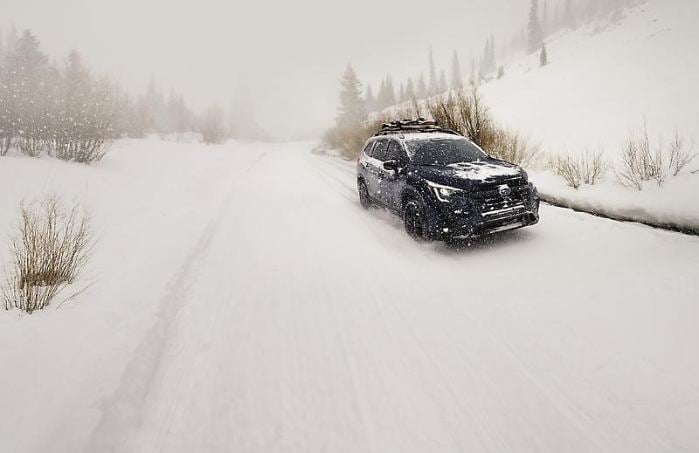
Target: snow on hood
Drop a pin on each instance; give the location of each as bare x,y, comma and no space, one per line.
482,170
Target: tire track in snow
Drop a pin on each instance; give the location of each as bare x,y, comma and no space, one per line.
123,412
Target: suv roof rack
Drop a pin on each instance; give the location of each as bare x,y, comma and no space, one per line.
418,125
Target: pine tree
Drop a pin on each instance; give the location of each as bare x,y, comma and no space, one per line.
457,80
534,33
421,87
543,56
390,92
401,93
410,90
352,110
443,87
433,83
211,127
369,99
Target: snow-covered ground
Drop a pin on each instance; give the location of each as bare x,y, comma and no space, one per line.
602,83
604,80
243,301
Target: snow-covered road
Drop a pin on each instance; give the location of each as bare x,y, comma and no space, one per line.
300,323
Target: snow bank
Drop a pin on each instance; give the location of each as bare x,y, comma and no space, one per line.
603,81
675,205
150,202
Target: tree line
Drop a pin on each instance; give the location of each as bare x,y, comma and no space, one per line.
543,20
64,110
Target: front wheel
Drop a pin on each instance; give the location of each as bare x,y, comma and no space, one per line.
414,220
364,198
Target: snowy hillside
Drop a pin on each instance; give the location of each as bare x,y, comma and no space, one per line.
604,79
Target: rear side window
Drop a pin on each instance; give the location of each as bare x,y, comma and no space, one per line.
368,147
380,150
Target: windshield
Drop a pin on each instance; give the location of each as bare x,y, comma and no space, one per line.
443,151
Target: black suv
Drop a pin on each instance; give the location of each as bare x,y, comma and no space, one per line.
443,185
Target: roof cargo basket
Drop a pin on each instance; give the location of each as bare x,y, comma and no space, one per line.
418,125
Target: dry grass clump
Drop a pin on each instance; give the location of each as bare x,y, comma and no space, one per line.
50,249
586,168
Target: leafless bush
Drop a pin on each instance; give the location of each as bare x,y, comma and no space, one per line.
32,146
640,163
465,112
679,155
511,147
586,168
51,248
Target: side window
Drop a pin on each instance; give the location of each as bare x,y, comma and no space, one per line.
395,152
380,150
368,147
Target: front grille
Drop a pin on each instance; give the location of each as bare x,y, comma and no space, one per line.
492,205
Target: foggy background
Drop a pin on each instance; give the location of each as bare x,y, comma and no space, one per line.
286,57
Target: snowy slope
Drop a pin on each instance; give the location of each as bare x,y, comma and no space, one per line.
246,303
604,80
602,83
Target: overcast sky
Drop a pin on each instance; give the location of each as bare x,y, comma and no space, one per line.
289,54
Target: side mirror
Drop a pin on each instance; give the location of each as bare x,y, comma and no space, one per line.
390,165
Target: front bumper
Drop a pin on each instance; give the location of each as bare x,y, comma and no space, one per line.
463,220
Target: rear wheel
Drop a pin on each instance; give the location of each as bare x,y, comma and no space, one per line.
364,198
414,220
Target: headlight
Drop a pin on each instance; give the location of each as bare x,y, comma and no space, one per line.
443,193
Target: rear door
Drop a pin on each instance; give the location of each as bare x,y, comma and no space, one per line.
390,181
374,167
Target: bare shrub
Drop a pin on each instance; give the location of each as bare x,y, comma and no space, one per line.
640,163
586,168
679,155
465,113
50,249
511,147
32,146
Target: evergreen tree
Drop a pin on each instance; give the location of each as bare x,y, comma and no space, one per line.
351,111
369,99
534,33
421,87
457,80
433,83
212,128
410,90
443,87
543,56
401,93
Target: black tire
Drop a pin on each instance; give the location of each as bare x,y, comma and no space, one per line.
414,220
364,197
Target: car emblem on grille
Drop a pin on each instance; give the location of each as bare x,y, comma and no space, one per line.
505,191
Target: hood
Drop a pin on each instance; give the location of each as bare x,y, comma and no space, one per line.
466,175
